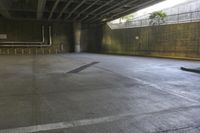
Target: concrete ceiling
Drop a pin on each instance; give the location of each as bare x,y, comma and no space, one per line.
86,11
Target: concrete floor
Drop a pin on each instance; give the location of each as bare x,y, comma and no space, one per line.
91,93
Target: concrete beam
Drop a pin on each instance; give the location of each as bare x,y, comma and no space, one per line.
65,7
85,9
4,9
40,8
115,7
53,9
117,15
80,4
107,3
106,10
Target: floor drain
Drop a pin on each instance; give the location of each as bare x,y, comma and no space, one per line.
81,68
196,70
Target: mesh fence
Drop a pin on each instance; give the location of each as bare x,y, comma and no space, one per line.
186,17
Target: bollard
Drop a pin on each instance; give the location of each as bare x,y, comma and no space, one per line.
62,48
15,51
36,51
56,51
22,50
43,51
8,51
29,51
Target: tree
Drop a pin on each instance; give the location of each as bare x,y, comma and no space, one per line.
157,18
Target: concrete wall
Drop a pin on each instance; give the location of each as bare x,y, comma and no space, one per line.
91,38
62,36
176,41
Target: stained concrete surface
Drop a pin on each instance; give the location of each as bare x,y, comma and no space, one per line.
37,90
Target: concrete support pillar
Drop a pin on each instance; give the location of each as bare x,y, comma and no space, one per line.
77,36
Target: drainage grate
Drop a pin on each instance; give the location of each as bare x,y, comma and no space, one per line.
196,70
81,68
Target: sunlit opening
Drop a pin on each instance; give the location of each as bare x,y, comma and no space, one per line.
156,7
159,6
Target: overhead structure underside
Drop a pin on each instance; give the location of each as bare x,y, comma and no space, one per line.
85,11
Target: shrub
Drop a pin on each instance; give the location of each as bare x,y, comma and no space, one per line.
157,18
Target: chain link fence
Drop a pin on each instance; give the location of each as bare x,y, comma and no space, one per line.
185,17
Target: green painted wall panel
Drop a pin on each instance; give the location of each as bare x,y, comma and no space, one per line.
31,31
176,40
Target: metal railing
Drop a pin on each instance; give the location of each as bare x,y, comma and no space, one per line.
186,17
30,43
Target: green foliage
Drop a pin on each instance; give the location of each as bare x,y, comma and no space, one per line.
160,14
157,18
127,18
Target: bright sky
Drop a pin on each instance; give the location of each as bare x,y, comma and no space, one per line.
159,6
